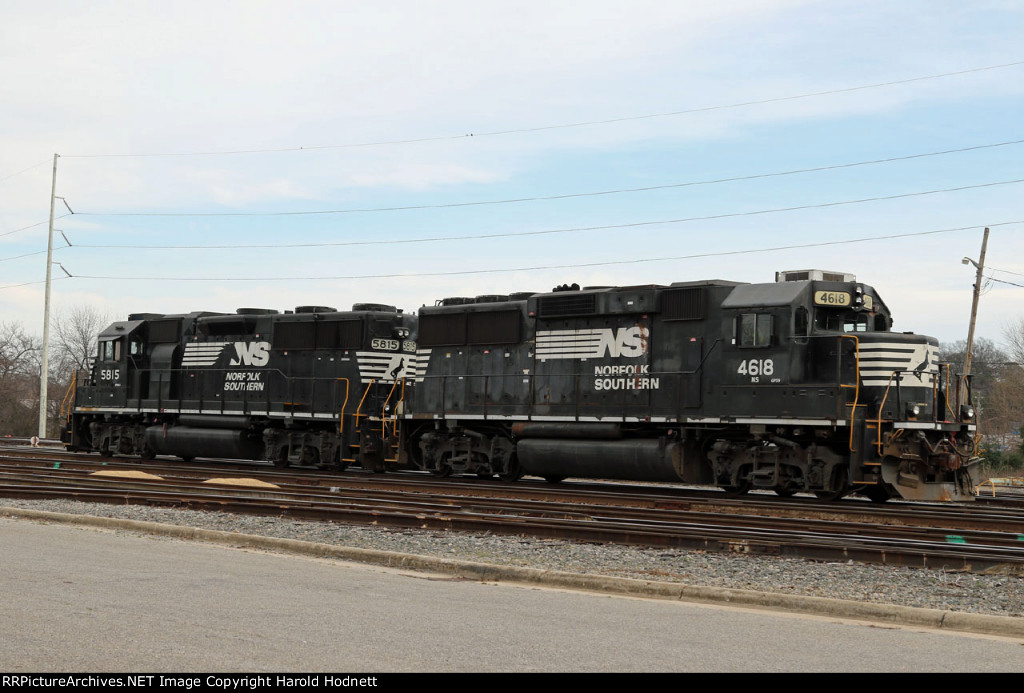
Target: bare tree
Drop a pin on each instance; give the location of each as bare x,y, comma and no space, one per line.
19,380
74,336
72,348
1013,334
988,364
1004,411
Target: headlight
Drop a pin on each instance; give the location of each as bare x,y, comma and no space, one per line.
913,411
966,412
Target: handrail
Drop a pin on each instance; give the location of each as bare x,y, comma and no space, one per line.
363,399
881,407
384,407
341,414
856,385
65,405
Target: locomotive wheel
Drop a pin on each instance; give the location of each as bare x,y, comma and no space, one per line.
737,490
554,479
147,453
282,458
876,493
785,492
514,471
840,486
443,471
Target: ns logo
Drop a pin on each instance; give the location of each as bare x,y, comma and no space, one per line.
626,341
251,354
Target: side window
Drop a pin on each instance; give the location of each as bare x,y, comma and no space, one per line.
801,325
110,350
753,330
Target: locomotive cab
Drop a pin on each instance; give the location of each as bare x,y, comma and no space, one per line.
120,361
853,406
116,376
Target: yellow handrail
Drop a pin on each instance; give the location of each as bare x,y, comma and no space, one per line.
341,417
363,399
856,385
384,408
65,405
881,407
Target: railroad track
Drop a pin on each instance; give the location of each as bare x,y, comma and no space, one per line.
974,538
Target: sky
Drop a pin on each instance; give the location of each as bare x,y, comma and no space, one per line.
219,155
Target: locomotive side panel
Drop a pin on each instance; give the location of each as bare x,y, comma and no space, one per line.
593,355
476,379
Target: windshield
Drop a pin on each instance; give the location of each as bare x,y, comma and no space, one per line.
841,321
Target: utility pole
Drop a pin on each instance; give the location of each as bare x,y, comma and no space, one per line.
974,305
44,376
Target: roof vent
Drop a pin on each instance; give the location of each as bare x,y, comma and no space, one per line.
454,301
814,275
374,307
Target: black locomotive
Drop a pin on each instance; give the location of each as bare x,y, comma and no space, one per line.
795,386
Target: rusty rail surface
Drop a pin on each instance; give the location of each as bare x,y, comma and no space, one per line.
958,538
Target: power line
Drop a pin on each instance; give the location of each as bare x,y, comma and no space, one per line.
607,121
996,269
24,170
514,234
748,251
32,226
555,197
1012,284
18,257
435,239
517,234
41,281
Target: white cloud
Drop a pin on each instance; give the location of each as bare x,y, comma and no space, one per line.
112,78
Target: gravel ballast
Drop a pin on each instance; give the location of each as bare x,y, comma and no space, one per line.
1000,595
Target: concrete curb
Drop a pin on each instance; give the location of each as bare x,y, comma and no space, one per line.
878,613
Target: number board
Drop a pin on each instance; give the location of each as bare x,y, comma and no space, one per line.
831,298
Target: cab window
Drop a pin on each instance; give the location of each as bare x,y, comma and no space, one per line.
801,325
110,350
753,330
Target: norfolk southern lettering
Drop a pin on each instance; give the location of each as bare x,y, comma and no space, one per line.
637,378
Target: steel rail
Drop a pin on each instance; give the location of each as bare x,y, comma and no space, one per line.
805,537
